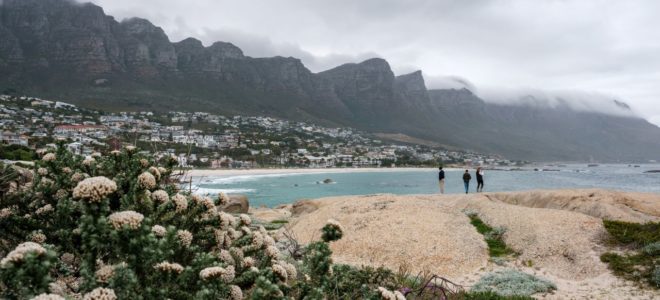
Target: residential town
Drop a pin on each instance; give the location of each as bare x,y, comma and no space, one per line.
204,140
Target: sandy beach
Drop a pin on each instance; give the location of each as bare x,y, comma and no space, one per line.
238,172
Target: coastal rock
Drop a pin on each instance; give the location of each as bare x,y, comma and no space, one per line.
238,204
302,207
432,232
603,204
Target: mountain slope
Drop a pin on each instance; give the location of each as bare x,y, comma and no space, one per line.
66,50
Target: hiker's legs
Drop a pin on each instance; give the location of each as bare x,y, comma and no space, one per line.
442,186
467,186
480,186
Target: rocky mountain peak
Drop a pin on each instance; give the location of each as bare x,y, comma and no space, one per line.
412,82
139,26
226,50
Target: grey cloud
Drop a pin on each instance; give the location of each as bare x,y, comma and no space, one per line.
448,82
576,100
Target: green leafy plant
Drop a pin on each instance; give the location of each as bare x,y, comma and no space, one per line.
642,262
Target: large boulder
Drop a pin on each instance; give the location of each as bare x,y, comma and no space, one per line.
302,207
237,204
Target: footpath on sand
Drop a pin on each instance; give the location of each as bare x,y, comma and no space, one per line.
557,235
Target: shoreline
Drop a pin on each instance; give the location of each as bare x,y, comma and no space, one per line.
239,172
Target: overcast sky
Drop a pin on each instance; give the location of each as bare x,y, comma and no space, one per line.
501,47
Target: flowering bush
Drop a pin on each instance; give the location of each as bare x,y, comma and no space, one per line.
119,227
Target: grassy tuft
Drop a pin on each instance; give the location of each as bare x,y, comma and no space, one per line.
643,264
493,237
633,234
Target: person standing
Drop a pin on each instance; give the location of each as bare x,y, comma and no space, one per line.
466,180
480,180
441,180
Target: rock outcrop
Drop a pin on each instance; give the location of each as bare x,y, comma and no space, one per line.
237,204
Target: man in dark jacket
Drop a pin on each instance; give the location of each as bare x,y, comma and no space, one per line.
441,180
466,180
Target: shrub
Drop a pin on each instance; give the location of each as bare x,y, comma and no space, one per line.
642,263
633,234
512,283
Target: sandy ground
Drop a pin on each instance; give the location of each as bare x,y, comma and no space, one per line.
238,172
431,232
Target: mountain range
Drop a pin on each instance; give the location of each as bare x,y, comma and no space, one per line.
75,52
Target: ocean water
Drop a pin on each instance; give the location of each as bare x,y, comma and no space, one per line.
274,189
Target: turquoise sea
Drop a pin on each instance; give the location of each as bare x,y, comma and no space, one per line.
274,189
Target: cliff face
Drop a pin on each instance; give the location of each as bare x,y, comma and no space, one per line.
73,51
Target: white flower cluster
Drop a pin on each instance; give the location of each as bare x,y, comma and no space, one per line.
222,239
104,273
49,157
66,170
94,189
68,258
248,262
245,219
272,252
226,257
226,274
128,218
47,182
48,297
185,237
44,209
76,177
208,203
223,199
235,292
38,237
144,163
88,161
280,271
169,267
115,152
180,202
61,194
226,219
18,254
100,294
147,181
158,230
5,212
291,271
42,171
96,154
386,294
160,196
130,148
154,171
